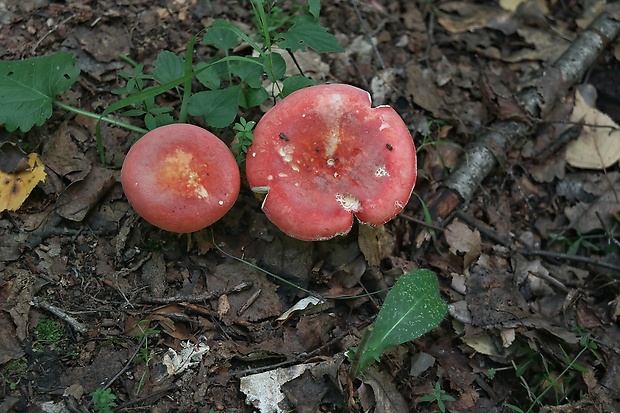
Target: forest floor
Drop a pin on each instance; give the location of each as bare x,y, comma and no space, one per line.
94,300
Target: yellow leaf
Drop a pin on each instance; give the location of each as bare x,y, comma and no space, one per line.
598,145
15,188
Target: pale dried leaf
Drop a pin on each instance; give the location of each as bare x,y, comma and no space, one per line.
598,145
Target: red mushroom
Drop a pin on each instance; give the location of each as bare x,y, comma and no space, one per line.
180,178
323,154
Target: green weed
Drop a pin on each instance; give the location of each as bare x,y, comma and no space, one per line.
12,371
49,333
229,83
145,354
545,383
103,400
438,395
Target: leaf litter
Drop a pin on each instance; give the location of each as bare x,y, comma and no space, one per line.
528,297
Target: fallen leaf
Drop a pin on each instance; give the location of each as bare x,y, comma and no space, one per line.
13,159
598,145
376,243
189,356
15,188
513,5
461,239
470,17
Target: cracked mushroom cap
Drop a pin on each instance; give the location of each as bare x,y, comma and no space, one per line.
180,178
323,155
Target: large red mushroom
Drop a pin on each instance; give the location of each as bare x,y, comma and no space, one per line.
180,178
323,154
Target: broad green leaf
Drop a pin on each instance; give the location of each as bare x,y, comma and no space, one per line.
274,65
211,77
252,97
168,67
218,107
220,37
293,83
28,88
412,308
306,33
248,73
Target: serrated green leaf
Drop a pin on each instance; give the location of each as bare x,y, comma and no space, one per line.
28,88
220,37
412,308
218,107
294,83
306,33
168,66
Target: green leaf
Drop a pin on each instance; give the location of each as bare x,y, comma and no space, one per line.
218,107
220,37
168,67
293,83
248,73
275,66
306,33
252,97
412,308
314,8
28,88
211,77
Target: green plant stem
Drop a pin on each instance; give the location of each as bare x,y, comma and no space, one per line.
187,84
92,115
354,371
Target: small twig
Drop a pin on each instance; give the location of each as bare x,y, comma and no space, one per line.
153,397
529,251
197,298
366,29
249,302
76,325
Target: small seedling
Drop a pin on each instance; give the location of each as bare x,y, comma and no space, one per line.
11,372
144,354
438,395
103,400
243,139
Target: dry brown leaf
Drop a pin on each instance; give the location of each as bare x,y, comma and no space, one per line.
470,17
598,145
15,188
461,239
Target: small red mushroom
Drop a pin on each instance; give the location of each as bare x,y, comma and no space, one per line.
180,178
323,155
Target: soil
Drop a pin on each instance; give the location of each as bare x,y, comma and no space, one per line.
93,298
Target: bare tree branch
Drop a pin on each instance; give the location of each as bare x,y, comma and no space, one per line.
536,100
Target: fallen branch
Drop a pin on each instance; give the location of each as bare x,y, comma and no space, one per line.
44,305
536,101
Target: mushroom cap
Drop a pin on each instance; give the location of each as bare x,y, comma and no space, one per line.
323,154
180,178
